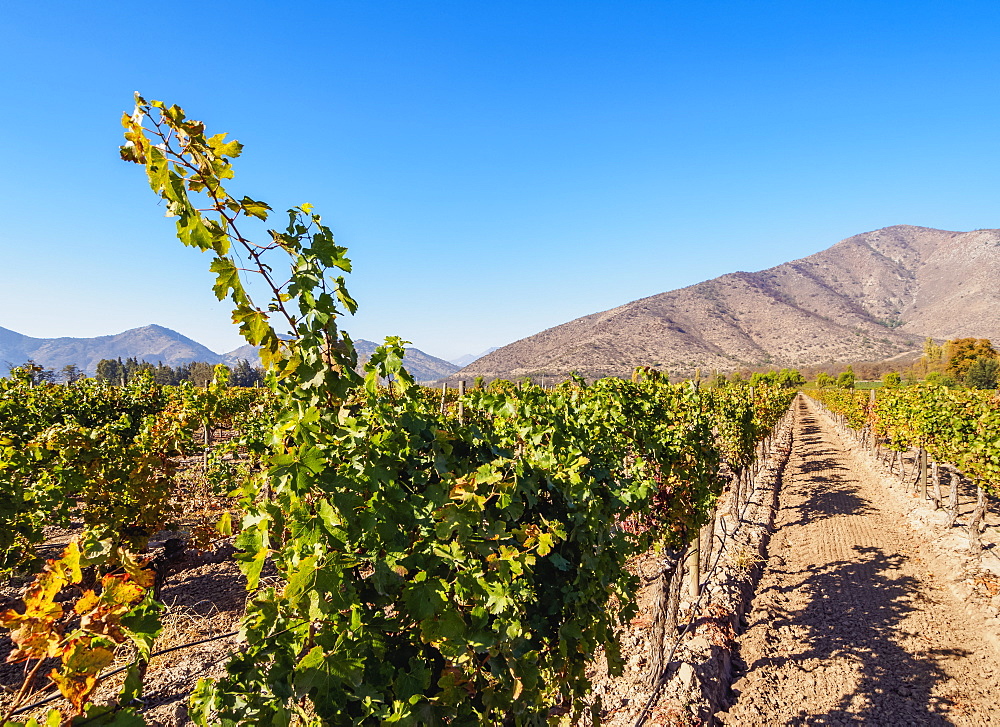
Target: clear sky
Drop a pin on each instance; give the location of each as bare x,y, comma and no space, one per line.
495,168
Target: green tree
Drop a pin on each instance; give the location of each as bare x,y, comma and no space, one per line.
936,377
892,379
200,373
164,375
110,370
932,360
246,375
182,372
846,379
769,378
823,380
790,378
70,373
982,373
132,367
35,372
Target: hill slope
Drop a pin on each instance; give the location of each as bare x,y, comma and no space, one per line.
422,366
870,296
150,343
470,357
158,344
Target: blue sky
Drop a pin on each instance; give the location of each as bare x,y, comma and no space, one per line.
495,168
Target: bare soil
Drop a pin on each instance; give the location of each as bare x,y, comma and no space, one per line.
865,614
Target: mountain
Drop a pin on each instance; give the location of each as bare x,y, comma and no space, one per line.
470,357
245,352
869,297
155,344
151,343
422,366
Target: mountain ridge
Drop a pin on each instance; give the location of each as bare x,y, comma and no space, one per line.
868,297
155,343
468,358
872,296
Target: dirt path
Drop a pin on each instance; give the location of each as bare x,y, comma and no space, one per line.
851,623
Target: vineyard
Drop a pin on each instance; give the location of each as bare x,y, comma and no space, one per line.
455,559
949,427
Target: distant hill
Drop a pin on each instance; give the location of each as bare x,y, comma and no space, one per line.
245,352
158,344
470,357
422,366
869,297
150,343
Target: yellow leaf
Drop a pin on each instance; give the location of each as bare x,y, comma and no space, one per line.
87,602
83,657
119,590
225,524
144,577
82,662
75,688
137,570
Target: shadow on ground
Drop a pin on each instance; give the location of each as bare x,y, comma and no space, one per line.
850,623
853,613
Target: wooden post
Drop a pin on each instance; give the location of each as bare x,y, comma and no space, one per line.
737,483
444,396
208,443
870,441
461,406
936,479
975,520
923,473
693,565
953,498
708,542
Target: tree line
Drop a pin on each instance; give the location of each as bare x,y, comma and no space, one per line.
969,361
784,378
119,372
960,362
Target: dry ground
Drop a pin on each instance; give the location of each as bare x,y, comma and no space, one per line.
857,619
